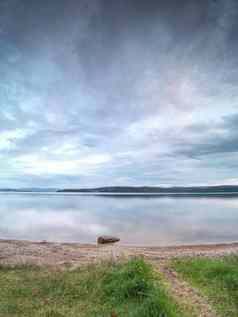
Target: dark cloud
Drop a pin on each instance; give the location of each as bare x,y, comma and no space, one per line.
219,138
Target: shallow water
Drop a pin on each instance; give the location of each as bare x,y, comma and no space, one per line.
137,220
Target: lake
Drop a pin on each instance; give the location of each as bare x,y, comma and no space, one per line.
136,219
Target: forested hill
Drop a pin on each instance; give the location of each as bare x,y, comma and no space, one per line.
152,189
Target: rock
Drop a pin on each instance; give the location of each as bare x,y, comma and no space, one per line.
43,242
107,239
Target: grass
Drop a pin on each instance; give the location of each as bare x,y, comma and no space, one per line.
217,279
128,289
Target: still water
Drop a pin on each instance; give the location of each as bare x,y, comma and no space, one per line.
137,220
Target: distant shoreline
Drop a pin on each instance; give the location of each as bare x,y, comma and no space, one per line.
155,190
128,194
134,190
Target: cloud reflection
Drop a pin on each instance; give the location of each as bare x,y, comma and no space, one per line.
140,221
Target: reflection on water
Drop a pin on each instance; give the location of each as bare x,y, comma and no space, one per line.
137,220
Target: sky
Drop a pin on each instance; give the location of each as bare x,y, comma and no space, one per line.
126,92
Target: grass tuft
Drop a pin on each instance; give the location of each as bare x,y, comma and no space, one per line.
131,281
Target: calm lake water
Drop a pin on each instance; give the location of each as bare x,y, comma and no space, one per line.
137,220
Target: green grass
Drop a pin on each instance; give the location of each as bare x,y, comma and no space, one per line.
216,278
128,289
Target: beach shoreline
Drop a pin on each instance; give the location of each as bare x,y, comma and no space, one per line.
18,252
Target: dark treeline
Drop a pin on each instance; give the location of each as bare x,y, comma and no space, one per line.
152,189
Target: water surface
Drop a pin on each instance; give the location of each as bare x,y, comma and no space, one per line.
137,220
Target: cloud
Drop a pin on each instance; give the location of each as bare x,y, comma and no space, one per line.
129,91
34,165
8,138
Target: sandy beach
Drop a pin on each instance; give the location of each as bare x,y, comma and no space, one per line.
14,252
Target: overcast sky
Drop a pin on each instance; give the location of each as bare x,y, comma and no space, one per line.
118,92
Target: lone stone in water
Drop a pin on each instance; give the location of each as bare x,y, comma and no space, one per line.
107,239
